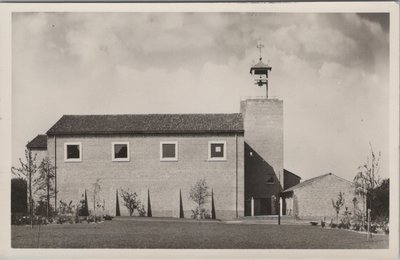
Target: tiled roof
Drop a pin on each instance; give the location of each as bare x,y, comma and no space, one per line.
148,124
39,142
309,181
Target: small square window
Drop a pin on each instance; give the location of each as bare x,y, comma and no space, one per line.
72,152
120,151
169,151
216,150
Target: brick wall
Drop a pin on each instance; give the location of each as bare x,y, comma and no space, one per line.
145,171
263,124
314,201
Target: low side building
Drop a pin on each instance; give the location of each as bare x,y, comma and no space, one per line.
38,147
312,199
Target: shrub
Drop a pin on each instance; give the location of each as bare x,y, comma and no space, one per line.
201,213
141,210
314,223
66,213
20,220
107,217
356,226
41,209
386,229
131,202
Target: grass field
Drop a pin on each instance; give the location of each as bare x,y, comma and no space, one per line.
161,233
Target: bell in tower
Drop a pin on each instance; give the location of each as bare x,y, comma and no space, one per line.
260,72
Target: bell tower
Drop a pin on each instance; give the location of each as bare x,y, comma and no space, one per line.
263,154
260,72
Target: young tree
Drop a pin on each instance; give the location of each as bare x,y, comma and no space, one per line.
27,171
131,201
45,183
367,179
338,204
199,194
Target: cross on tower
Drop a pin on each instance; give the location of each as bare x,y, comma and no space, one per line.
260,71
260,46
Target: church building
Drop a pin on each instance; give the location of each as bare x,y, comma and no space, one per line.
161,156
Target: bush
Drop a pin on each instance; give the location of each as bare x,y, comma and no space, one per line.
322,224
141,210
386,229
20,220
26,220
333,225
66,213
201,213
314,223
356,226
41,209
107,217
132,202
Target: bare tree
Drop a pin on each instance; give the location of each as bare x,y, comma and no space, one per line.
45,182
27,171
199,193
367,179
338,204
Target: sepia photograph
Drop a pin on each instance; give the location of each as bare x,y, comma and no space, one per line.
212,129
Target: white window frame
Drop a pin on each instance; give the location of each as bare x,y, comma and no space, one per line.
216,158
73,159
113,152
176,151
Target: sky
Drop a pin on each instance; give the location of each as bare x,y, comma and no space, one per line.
331,70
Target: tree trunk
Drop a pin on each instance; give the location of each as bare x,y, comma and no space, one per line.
30,189
48,192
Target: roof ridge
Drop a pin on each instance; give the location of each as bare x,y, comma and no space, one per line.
308,181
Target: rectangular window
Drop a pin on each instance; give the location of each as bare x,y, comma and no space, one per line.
120,151
217,150
72,152
169,151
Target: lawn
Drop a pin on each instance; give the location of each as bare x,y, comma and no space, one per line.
161,233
